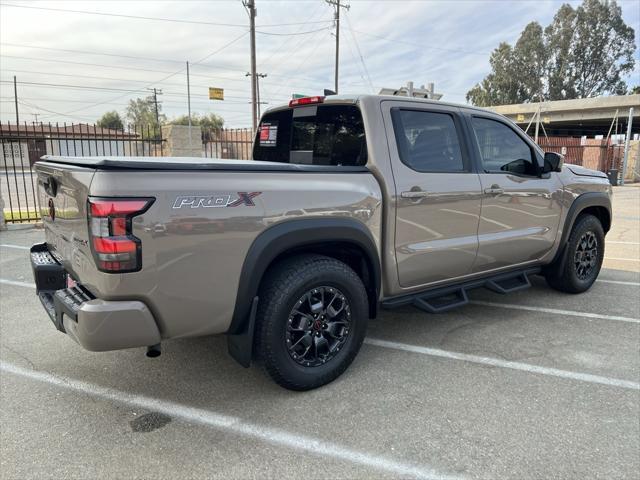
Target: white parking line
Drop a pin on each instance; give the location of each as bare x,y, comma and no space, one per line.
618,282
17,284
234,425
17,247
556,311
496,362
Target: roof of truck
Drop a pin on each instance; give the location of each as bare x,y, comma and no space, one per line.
355,98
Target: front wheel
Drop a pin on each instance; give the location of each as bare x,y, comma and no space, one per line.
582,258
311,321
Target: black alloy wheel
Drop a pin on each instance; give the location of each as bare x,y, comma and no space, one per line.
318,326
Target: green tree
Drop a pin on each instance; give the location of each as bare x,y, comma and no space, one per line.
110,120
211,120
141,112
585,52
635,90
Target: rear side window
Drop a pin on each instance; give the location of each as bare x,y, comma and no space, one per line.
502,149
428,141
313,135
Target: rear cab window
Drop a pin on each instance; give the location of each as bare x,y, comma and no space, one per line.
312,135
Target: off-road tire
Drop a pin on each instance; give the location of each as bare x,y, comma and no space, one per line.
284,286
565,274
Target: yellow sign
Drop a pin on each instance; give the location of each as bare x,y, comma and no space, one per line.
546,120
520,118
216,93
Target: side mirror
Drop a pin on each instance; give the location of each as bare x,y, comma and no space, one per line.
552,162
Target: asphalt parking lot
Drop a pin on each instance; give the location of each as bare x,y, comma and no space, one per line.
533,385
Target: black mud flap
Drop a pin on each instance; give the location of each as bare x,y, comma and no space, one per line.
240,345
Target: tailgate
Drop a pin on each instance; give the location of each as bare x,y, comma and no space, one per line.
63,191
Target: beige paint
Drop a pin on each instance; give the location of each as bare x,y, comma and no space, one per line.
192,258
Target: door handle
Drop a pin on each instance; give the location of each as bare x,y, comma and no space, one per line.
414,194
494,190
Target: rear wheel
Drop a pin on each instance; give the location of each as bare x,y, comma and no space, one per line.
311,321
582,259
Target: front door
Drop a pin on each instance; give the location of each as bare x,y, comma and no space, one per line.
437,194
520,207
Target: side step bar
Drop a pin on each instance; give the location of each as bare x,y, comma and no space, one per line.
443,299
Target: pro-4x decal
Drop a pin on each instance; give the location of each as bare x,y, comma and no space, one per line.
216,200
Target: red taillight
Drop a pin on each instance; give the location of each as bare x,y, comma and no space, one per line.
104,208
115,248
306,101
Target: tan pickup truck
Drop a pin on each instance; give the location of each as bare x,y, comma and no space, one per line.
350,203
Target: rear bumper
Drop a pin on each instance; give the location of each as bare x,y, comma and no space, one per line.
98,325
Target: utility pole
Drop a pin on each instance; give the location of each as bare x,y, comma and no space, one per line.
15,96
338,6
189,103
156,92
258,102
36,117
188,97
251,9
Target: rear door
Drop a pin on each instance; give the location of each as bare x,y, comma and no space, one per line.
437,192
520,207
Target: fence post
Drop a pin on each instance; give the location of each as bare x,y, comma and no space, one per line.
626,146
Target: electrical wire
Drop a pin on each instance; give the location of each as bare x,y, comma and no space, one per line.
171,75
87,52
355,41
293,34
141,17
422,46
113,79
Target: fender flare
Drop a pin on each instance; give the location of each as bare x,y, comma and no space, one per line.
277,240
583,201
292,234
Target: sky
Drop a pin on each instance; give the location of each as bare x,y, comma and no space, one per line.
72,66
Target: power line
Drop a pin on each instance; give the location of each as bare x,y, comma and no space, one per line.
421,45
113,79
303,58
200,103
87,52
293,34
358,66
199,64
287,42
176,73
23,57
355,41
159,19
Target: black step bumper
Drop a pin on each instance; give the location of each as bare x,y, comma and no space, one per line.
96,324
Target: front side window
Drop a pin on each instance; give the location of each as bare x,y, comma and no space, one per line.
313,135
427,141
502,149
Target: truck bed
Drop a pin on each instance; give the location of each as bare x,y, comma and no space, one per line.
191,254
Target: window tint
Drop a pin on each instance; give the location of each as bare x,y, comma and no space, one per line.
313,135
427,141
502,149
